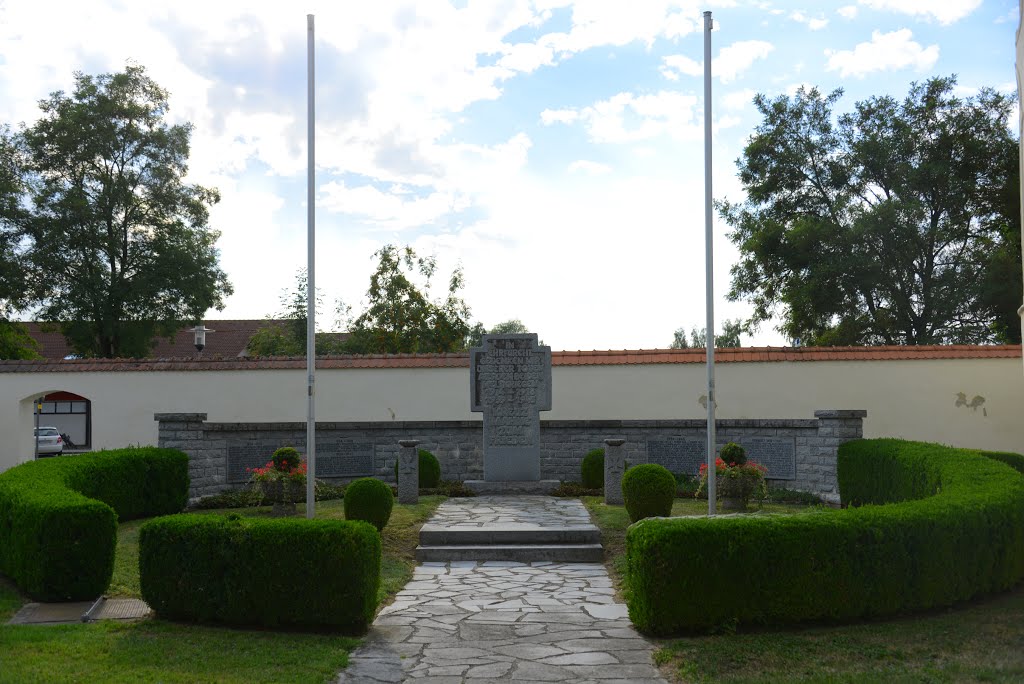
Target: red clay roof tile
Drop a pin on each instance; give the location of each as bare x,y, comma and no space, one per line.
213,362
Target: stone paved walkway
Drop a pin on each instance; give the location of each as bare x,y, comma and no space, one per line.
472,621
509,511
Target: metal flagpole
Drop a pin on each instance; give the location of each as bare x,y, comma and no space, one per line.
310,279
709,339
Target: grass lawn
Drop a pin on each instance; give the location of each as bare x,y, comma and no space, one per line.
160,651
979,642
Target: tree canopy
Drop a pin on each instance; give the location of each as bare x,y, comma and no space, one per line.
896,223
115,245
400,317
729,337
289,338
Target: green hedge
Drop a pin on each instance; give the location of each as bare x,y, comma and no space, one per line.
58,516
955,531
261,572
1015,461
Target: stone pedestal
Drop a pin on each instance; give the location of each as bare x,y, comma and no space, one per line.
408,472
614,466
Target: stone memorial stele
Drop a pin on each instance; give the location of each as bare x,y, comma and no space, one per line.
510,382
408,472
614,467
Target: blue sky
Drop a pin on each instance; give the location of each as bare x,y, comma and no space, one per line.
552,148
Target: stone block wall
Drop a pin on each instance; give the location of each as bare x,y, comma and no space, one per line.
219,451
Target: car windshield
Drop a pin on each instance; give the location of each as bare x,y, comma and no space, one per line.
48,432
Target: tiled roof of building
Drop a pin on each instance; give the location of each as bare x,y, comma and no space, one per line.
229,339
213,362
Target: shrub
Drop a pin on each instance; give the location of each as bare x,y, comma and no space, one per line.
918,546
58,516
286,459
249,571
369,499
733,454
249,496
430,470
648,491
592,469
452,489
1015,461
687,486
573,490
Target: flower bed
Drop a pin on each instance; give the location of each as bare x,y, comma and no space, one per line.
947,526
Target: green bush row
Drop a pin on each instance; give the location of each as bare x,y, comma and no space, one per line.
261,572
1015,461
58,516
942,525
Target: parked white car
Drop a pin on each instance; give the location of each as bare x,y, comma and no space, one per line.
50,442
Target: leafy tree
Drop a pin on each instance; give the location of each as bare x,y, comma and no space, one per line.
15,342
400,318
512,326
729,337
289,338
885,225
121,242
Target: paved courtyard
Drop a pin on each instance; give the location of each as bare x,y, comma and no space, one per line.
481,621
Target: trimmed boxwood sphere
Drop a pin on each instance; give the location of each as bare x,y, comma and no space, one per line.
430,470
648,491
733,454
369,499
592,469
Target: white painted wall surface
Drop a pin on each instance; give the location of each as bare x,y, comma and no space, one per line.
910,399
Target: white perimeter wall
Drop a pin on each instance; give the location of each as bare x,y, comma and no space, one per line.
910,399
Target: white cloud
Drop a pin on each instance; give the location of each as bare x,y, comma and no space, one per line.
813,23
738,99
730,63
847,11
628,118
565,116
397,208
738,57
944,11
526,57
588,167
885,52
674,65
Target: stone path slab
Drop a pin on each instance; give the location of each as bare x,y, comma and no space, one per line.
470,621
72,612
510,512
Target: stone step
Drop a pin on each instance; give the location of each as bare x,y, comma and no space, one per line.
524,553
436,535
513,487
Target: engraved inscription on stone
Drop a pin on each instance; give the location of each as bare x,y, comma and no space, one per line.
247,455
778,454
679,456
333,459
344,460
510,382
682,455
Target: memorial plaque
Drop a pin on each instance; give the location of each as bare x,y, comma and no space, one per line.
686,455
333,459
247,455
510,382
342,459
778,454
679,455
